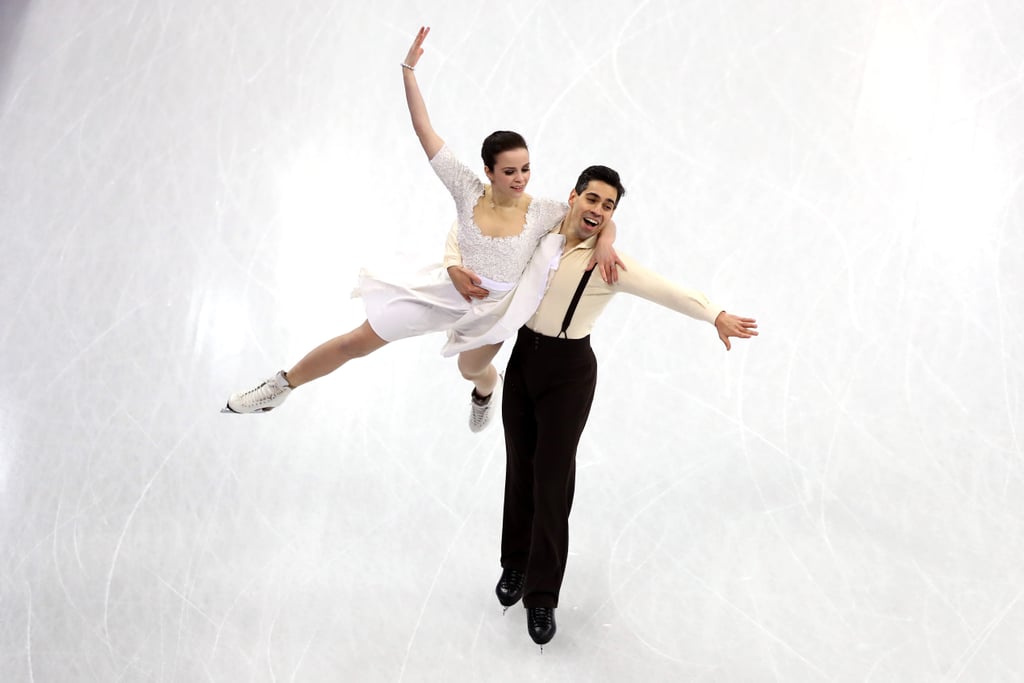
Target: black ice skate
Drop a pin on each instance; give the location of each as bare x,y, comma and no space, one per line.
540,623
510,587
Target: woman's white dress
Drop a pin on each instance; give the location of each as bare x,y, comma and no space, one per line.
514,269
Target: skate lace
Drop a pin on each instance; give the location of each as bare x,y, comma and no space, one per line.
479,411
513,580
263,392
541,617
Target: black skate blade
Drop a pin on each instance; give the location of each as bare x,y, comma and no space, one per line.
227,409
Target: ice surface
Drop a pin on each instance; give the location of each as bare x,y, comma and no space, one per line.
188,189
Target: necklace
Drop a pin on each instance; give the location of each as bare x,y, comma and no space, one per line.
490,198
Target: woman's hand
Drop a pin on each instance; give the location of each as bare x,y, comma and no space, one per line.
416,51
607,261
605,256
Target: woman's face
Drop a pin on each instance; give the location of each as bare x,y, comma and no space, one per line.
511,172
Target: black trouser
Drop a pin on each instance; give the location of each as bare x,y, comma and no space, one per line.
549,387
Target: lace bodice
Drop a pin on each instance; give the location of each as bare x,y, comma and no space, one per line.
496,258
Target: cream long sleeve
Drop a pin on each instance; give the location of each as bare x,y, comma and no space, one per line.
452,257
636,280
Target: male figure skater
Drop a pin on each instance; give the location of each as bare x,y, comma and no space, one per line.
549,388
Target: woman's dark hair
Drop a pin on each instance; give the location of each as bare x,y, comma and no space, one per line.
603,174
500,141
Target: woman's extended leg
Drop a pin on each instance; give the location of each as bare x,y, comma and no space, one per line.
321,361
332,354
475,365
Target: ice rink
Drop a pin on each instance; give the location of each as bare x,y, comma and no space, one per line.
188,190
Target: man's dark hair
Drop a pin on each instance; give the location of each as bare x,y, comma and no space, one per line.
497,142
603,174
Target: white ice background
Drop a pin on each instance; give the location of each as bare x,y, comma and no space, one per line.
188,189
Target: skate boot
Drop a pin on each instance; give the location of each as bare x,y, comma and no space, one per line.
540,622
482,409
265,397
510,587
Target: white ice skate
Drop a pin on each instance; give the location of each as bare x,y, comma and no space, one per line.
480,413
265,397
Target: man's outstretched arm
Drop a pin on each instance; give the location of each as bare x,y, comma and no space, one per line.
647,284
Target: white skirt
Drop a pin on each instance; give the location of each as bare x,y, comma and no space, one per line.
427,301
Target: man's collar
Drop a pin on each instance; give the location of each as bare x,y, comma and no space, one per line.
589,243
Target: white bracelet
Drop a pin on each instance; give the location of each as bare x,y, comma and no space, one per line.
406,66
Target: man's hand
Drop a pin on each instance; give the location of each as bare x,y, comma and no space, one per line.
466,283
729,325
606,260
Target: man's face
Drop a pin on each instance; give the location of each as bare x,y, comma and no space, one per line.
591,209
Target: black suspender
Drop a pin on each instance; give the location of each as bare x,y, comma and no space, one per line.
572,305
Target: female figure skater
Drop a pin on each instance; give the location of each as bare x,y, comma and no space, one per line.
505,236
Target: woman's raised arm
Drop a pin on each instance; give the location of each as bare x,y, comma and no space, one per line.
431,141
